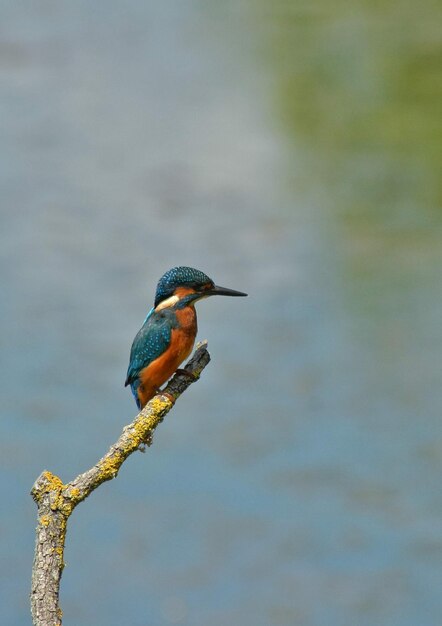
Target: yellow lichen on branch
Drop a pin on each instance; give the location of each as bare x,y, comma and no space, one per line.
56,500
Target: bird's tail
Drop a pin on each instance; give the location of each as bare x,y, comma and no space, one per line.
134,387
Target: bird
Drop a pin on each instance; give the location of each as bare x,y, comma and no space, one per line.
168,333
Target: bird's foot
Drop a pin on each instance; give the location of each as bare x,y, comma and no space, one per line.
191,375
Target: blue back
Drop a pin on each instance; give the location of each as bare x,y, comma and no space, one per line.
150,342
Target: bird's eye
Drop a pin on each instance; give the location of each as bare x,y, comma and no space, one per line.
206,287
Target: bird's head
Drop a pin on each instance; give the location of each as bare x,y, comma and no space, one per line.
187,285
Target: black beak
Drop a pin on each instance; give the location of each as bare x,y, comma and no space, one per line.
223,291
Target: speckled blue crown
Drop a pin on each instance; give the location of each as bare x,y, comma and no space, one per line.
176,277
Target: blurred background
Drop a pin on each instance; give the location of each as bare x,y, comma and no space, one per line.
288,149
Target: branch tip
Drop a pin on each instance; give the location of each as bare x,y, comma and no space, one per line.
56,501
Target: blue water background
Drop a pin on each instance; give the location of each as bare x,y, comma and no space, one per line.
288,150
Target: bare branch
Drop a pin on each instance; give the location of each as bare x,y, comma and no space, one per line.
56,501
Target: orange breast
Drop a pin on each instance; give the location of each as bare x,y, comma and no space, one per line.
181,344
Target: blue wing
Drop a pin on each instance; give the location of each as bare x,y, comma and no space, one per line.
151,341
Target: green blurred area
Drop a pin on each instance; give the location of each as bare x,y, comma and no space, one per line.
357,87
361,84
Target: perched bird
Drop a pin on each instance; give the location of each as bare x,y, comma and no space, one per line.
169,330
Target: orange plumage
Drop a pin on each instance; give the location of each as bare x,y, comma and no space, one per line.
181,344
169,330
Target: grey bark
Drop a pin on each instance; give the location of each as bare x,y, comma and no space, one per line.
56,501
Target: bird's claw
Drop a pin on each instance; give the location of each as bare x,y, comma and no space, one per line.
188,373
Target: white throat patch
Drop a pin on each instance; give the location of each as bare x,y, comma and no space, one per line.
167,303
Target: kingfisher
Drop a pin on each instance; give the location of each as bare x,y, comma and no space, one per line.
168,333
